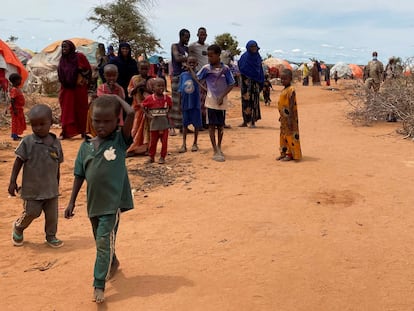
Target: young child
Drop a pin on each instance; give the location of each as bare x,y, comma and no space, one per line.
266,90
157,106
18,122
109,87
138,89
101,161
289,125
40,155
220,82
189,93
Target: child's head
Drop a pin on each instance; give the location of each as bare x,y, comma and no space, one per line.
202,35
105,115
286,77
192,62
15,79
143,68
213,53
111,73
158,86
40,117
184,36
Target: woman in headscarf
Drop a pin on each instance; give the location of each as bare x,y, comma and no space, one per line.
127,68
74,72
252,78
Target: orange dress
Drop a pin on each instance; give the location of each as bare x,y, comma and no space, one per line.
140,129
289,137
18,124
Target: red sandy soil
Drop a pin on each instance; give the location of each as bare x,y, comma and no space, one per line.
332,232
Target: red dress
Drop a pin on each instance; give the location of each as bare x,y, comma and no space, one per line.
18,124
74,102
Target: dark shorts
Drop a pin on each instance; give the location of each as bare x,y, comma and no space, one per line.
216,117
192,116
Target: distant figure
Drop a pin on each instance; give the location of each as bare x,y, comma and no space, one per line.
336,76
391,70
17,102
327,76
110,53
252,78
101,60
139,88
179,54
373,73
189,91
127,67
198,49
305,74
267,86
74,73
157,106
220,82
101,161
160,67
316,77
40,155
289,121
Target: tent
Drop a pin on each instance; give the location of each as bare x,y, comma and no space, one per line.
357,71
9,63
278,63
344,71
43,66
21,54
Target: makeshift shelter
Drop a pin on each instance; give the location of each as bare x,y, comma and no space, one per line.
21,54
357,71
276,65
43,66
9,63
343,70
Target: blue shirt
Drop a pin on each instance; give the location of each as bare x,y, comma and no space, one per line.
190,92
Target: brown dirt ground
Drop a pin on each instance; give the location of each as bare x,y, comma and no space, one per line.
332,232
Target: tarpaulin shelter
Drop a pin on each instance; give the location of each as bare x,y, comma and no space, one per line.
21,54
277,62
357,71
10,63
43,66
343,70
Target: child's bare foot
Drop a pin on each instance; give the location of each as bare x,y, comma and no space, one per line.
218,157
194,148
98,295
182,149
280,157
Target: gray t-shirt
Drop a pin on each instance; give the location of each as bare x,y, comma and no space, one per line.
199,51
40,167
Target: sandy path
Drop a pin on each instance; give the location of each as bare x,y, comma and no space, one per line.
333,232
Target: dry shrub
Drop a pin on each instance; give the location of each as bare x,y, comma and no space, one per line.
395,99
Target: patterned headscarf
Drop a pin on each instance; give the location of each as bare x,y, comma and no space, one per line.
250,64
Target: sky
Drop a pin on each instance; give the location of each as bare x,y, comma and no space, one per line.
295,30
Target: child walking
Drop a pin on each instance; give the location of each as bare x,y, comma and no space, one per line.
40,155
289,122
220,82
267,86
157,106
101,161
189,92
17,101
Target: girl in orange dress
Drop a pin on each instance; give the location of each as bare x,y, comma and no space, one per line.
289,123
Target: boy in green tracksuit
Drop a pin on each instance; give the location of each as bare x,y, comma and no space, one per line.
101,161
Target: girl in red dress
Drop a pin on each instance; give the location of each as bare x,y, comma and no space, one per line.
17,101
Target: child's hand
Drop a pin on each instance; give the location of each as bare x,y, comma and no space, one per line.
13,189
69,210
220,100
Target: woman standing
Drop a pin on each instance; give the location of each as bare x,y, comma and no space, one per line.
252,78
74,72
127,68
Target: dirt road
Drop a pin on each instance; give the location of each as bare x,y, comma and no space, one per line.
332,232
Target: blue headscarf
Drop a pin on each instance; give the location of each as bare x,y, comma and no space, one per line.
250,64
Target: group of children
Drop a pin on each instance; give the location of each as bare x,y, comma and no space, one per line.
101,159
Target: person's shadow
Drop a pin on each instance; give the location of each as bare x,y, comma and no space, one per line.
144,285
